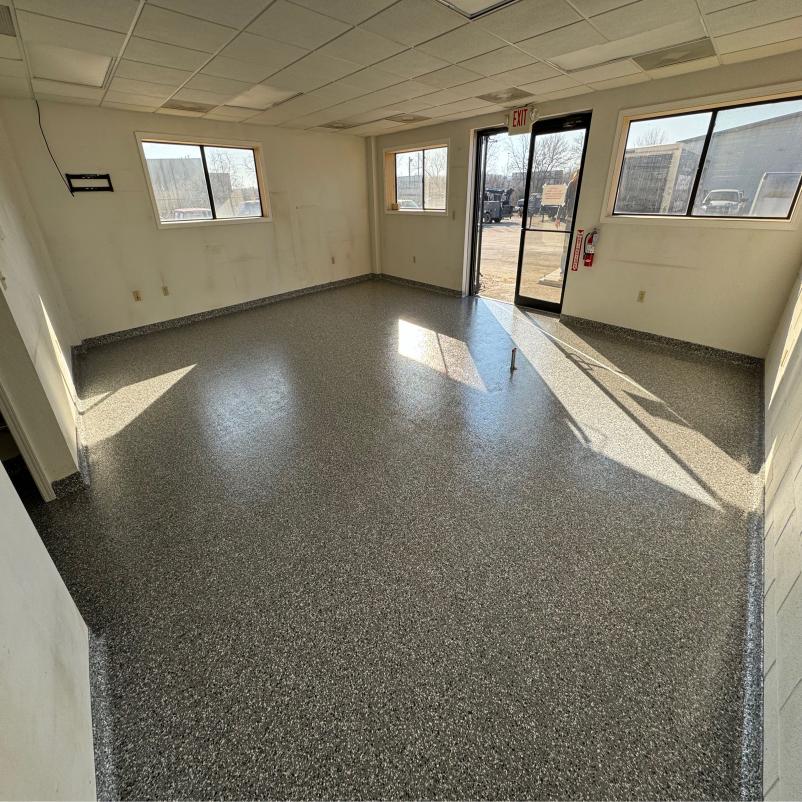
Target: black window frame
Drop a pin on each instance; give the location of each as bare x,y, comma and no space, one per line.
213,208
422,150
713,111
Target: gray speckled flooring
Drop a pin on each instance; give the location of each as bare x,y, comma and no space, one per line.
333,549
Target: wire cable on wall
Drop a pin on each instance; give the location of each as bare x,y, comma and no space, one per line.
44,137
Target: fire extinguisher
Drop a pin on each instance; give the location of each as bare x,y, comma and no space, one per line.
589,248
591,238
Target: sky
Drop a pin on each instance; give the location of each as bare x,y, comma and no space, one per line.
690,125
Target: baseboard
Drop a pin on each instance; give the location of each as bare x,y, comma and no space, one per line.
185,320
408,282
705,351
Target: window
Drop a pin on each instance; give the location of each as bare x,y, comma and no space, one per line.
191,182
418,179
740,161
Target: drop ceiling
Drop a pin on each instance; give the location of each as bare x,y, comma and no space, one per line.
369,66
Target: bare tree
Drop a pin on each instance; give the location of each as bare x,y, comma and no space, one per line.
651,136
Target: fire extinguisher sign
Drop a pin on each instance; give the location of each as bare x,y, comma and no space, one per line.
580,238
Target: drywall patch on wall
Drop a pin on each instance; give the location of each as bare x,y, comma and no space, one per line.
782,578
46,747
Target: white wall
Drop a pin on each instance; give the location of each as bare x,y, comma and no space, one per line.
705,282
782,769
107,245
37,329
46,726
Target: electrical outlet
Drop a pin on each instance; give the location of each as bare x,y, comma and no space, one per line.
641,296
333,260
137,295
165,289
414,260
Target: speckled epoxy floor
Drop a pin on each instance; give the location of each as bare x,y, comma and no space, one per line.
332,549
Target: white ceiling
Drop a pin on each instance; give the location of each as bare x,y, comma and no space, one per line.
354,63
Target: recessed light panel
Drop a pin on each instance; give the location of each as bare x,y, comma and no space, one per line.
261,97
504,96
66,65
701,48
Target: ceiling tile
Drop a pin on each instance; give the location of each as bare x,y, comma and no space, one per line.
35,28
297,26
528,18
114,16
164,55
561,93
412,63
378,127
448,76
179,29
213,83
12,68
762,51
624,80
501,60
151,72
361,47
483,86
555,84
414,21
337,92
131,99
235,69
644,15
372,79
199,96
234,15
14,87
466,104
751,15
592,7
763,36
136,87
123,106
262,52
9,47
441,97
311,72
526,75
230,113
716,5
605,72
61,89
667,36
353,11
576,36
462,43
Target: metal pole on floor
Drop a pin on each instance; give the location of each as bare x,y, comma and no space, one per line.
512,359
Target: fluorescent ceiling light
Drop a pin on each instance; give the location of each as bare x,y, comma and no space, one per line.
261,97
66,65
475,8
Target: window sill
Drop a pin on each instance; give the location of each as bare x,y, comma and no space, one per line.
418,212
700,222
196,223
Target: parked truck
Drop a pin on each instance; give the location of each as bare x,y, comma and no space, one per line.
496,205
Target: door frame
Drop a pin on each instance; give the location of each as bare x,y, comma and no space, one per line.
551,125
478,193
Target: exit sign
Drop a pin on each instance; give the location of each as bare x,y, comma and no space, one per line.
520,120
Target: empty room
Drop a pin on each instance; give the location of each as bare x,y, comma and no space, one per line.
400,399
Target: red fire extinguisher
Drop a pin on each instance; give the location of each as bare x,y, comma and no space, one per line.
591,238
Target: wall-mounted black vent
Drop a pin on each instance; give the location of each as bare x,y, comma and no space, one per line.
188,105
676,54
6,22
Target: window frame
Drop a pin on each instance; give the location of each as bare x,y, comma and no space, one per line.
205,142
712,106
391,184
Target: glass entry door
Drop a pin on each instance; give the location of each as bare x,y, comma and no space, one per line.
556,158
